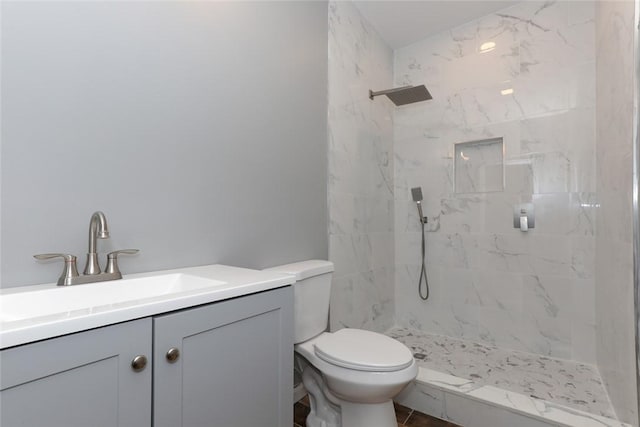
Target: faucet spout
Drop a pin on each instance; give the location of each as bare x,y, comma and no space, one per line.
98,229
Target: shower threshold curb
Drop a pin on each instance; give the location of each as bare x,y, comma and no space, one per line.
467,403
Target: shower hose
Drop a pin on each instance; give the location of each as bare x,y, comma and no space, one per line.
423,269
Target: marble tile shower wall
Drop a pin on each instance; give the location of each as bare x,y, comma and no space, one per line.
361,242
614,250
534,87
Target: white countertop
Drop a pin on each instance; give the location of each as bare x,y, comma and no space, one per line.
33,313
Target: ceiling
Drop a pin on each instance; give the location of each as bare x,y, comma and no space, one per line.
401,23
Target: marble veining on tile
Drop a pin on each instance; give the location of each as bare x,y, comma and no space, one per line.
360,173
563,382
614,295
534,89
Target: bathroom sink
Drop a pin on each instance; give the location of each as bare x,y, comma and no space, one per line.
38,312
102,296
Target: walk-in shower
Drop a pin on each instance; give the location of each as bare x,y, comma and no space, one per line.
531,306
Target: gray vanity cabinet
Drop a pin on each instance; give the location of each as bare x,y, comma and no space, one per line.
234,363
227,364
83,379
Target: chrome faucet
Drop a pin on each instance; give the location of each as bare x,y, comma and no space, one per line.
98,229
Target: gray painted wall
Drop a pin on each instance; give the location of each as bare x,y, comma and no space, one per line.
199,128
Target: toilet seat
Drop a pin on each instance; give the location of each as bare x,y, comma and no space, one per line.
356,385
362,351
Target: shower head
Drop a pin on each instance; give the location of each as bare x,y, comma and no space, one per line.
404,95
416,193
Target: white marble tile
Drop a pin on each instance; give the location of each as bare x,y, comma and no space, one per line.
583,257
486,268
479,370
379,215
581,12
498,290
343,217
547,336
491,406
490,69
563,416
536,19
363,300
547,297
553,213
343,306
382,250
519,176
423,398
551,172
540,409
498,29
583,341
582,90
345,173
343,254
550,255
500,252
502,328
360,172
467,410
614,294
583,214
460,287
408,275
461,213
614,215
545,133
506,398
445,381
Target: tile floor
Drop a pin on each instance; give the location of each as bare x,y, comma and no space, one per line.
565,382
406,417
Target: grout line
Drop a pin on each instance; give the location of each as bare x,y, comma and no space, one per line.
408,416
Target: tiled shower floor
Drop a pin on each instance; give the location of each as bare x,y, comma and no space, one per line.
568,383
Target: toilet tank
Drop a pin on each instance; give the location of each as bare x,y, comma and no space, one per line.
311,294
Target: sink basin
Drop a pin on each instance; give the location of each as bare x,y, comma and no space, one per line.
38,312
100,297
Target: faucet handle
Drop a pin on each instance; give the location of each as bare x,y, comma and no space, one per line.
70,267
112,260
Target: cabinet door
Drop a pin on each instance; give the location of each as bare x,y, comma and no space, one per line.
235,367
83,379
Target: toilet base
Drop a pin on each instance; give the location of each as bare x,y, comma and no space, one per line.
368,414
329,411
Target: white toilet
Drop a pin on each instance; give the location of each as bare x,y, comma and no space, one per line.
351,375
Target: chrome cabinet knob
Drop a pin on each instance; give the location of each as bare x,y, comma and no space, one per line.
139,363
172,355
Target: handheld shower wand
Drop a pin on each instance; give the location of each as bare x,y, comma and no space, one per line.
416,193
417,197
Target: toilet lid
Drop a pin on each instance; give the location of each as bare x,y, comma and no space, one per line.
363,351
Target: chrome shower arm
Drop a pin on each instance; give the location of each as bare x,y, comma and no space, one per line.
373,94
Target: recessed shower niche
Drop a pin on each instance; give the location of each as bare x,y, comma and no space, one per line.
479,166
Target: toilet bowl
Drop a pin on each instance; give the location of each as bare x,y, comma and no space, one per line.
351,375
356,379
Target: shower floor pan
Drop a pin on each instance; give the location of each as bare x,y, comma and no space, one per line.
476,385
